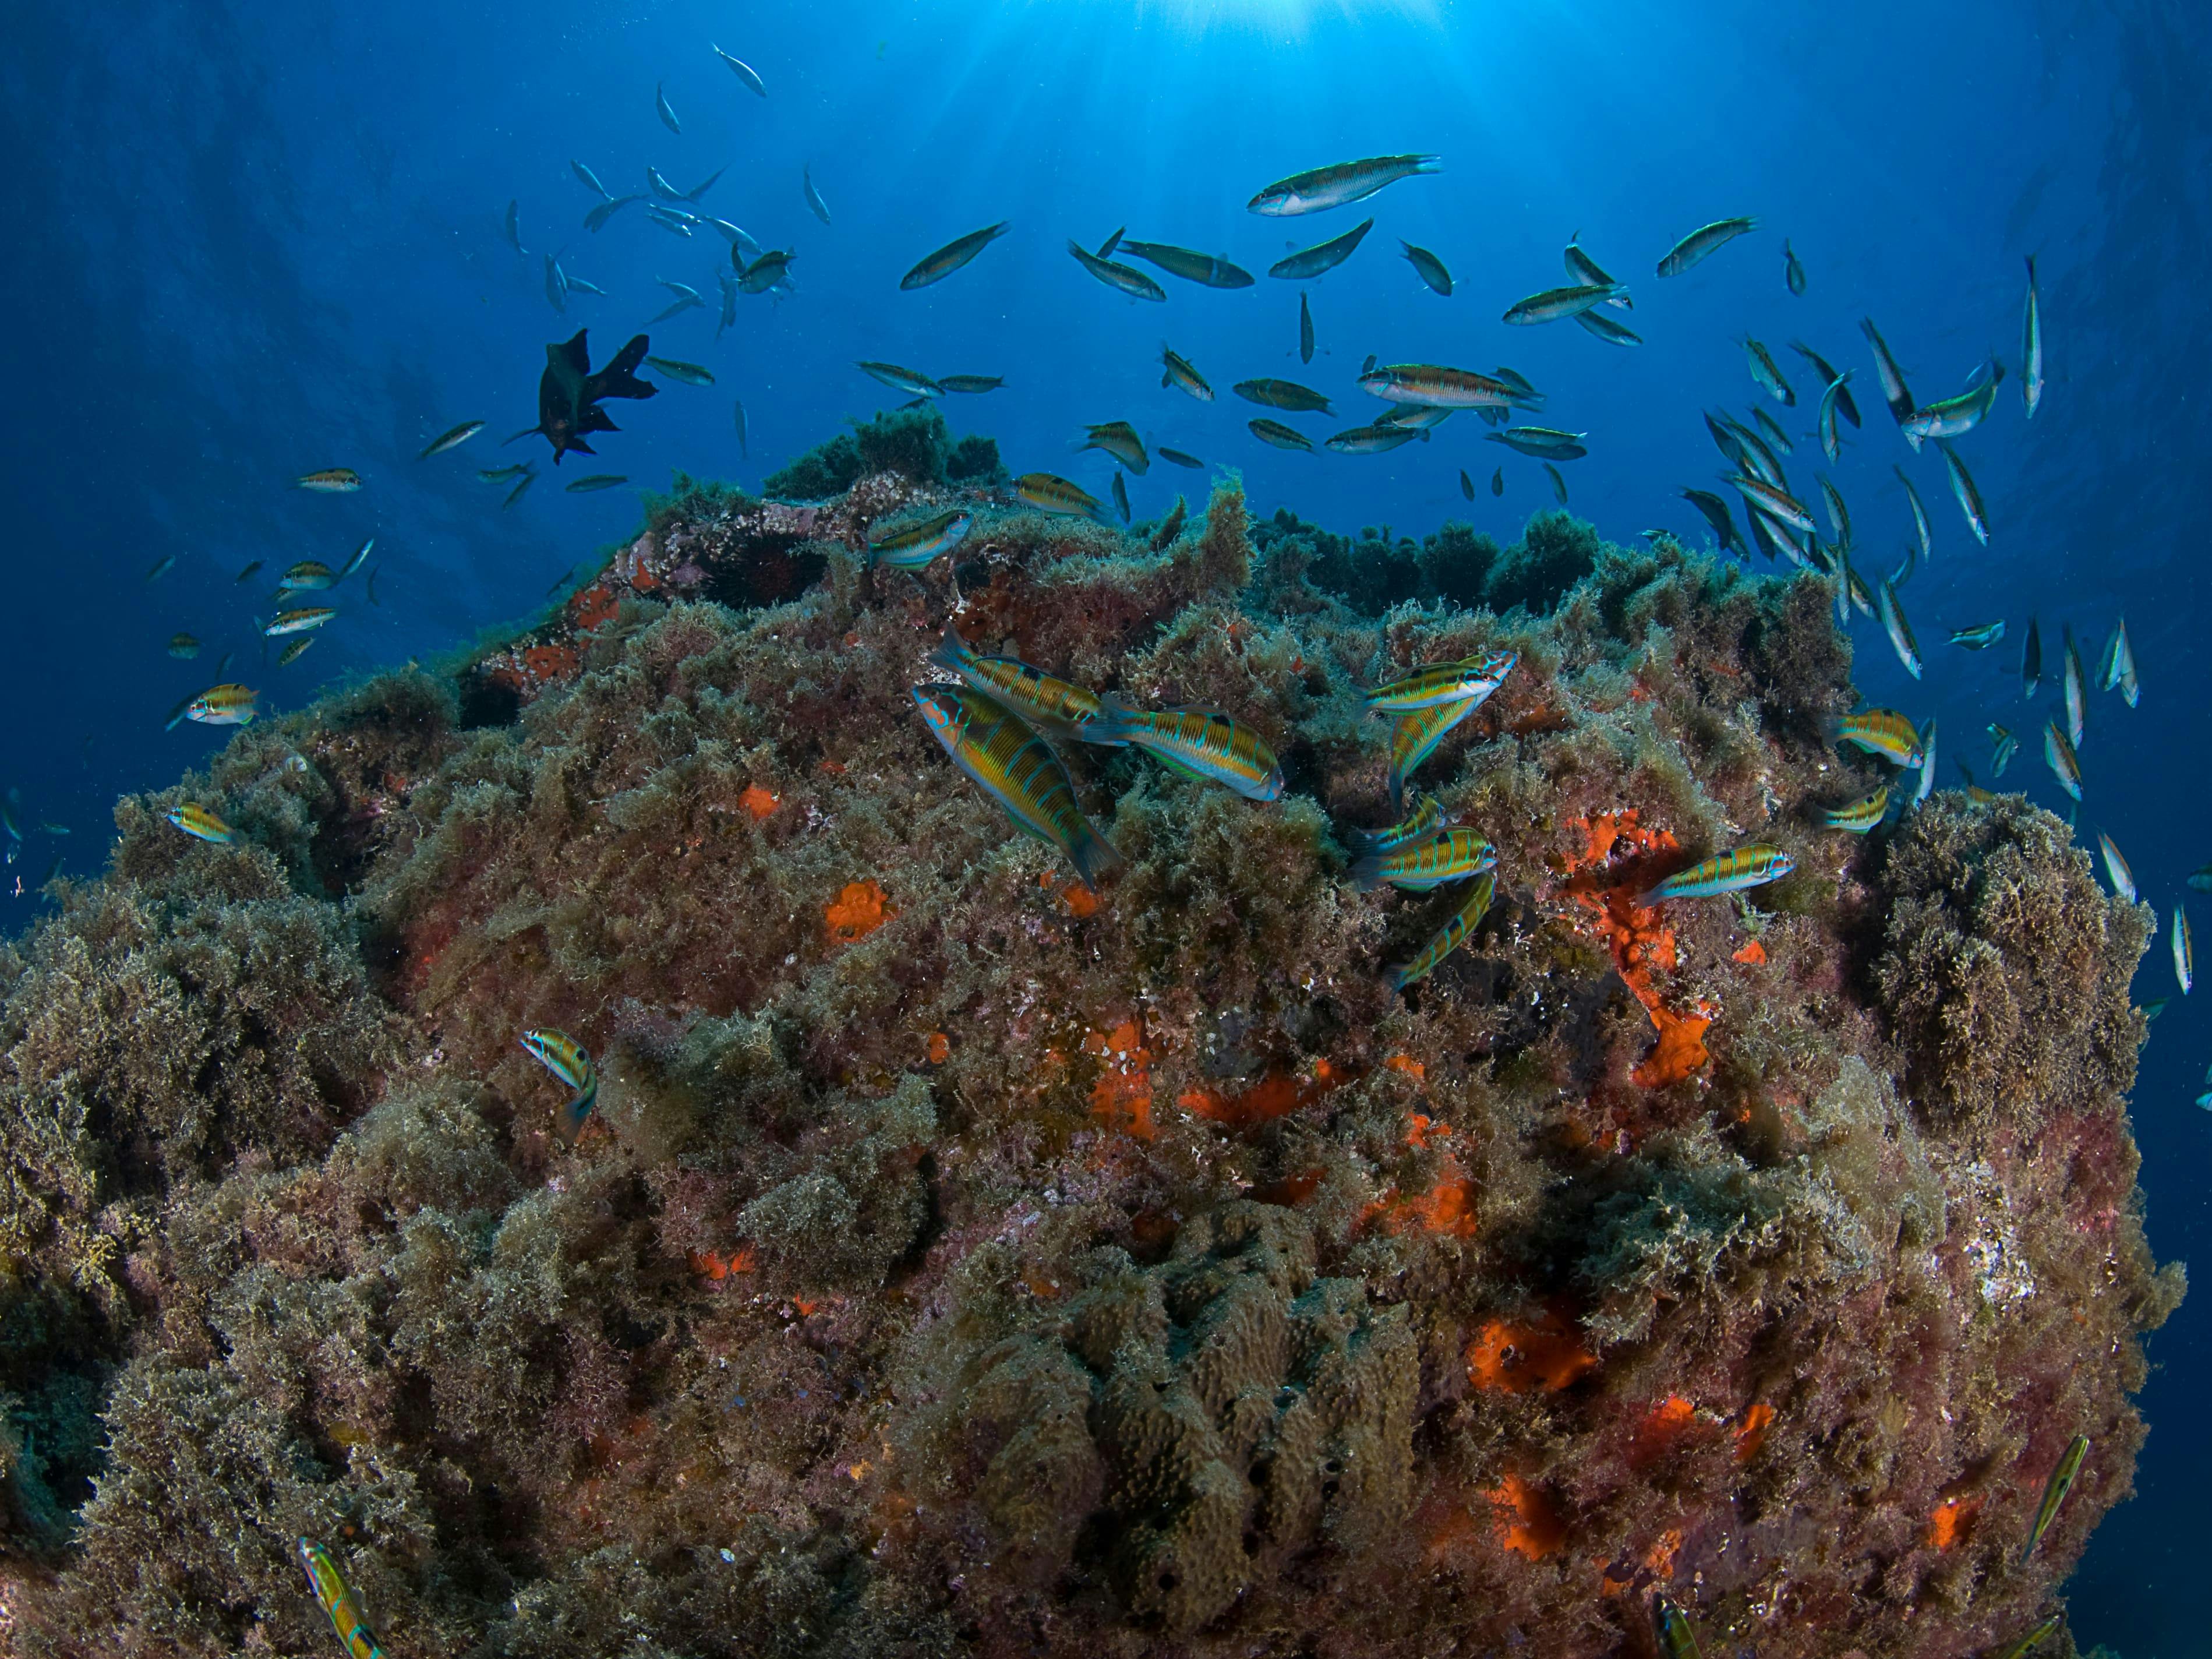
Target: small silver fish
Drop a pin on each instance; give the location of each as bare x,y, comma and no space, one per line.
820,208
2031,348
743,70
667,115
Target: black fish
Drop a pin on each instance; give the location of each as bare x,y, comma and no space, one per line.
568,392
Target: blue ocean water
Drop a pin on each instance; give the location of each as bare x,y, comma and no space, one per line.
249,240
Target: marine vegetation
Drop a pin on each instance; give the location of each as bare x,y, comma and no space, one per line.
955,1258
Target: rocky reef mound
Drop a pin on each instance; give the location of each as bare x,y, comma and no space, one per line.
964,1261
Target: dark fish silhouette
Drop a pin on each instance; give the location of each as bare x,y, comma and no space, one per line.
568,392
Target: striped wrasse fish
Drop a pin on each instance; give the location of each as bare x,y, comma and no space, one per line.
200,824
2055,1490
1416,736
1338,186
1860,815
1454,855
1425,820
2058,754
1729,873
1475,676
1057,706
912,546
1464,921
1882,732
223,705
1443,388
336,1599
1015,767
562,1056
1199,743
299,621
1057,496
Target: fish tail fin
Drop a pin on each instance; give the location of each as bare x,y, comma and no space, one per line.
1367,869
1435,164
573,1114
951,654
619,378
1093,856
1110,727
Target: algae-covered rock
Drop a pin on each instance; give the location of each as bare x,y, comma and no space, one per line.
963,1260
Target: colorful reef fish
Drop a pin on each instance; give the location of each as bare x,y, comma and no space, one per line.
1056,706
201,825
1453,855
1861,815
336,1598
1475,676
1882,732
1727,872
912,546
223,705
1416,736
2055,1490
1425,820
1015,767
1448,939
562,1056
1199,743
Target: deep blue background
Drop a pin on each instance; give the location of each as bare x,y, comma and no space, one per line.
246,240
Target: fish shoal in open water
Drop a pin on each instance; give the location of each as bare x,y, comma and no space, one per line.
1177,371
1339,185
298,621
1207,270
1701,243
1275,433
1009,763
1308,263
1122,279
1444,388
566,1058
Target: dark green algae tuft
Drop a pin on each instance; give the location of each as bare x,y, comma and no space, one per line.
965,1262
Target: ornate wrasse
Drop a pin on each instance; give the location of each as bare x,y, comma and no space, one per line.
1425,820
1475,677
1453,855
1416,736
1862,815
1882,732
1729,873
1055,705
1448,939
567,1059
1199,743
336,1598
911,546
1016,768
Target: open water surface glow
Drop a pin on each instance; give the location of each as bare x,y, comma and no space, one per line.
250,239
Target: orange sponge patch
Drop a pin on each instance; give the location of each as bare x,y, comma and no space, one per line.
857,911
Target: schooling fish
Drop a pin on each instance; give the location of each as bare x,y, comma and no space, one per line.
689,373
1919,513
1453,856
1179,457
1305,329
1962,487
2116,868
1424,823
596,482
1415,738
1792,270
1339,185
2030,346
1541,442
1473,676
1464,921
596,220
743,70
1204,744
1054,706
1826,374
223,705
912,546
1861,815
1770,429
200,824
1416,417
2004,747
1556,305
1430,269
1177,371
515,494
1729,873
1774,500
1882,732
1283,394
298,648
1120,498
2184,954
911,381
1123,279
298,621
936,267
1558,483
1275,433
1953,417
512,226
337,1601
331,481
667,113
2072,683
557,286
815,204
1716,515
1120,439
1978,638
590,180
1497,481
1894,624
184,646
1466,484
2020,1647
452,439
1443,388
2031,660
2055,1491
562,1056
1057,496
1206,270
1321,257
1588,273
1595,321
2058,754
972,385
1832,443
1893,390
251,566
1015,767
2118,666
1927,763
1374,439
1701,243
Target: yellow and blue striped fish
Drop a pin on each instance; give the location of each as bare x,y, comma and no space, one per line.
298,621
911,546
1475,676
2058,754
1860,815
1448,939
1672,1626
1057,706
200,824
1454,855
1015,767
332,480
2021,1647
1056,495
1730,872
1199,743
562,1056
1882,732
1415,738
336,1598
223,705
1425,820
2055,1490
309,575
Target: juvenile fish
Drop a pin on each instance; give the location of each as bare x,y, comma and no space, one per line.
1339,185
1466,678
1765,370
300,621
1962,487
566,1058
1893,391
1207,270
1283,394
1861,815
667,113
1305,329
743,70
1181,457
1701,243
1054,494
452,439
936,267
912,546
1729,873
2058,754
1275,433
1676,1639
689,373
1823,372
1425,820
331,481
336,1598
2116,868
1556,305
1953,417
1716,515
1415,738
1900,630
1464,921
1430,269
2055,1490
2117,667
911,381
1882,732
1793,272
596,220
2185,954
1541,442
1323,256
223,705
1123,279
819,207
1452,855
1120,439
1177,371
2002,747
2030,346
251,566
971,385
1978,638
597,481
1374,439
1595,321
1199,743
200,823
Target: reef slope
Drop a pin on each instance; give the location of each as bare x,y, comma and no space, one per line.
964,1262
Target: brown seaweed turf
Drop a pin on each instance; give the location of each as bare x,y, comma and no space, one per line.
965,1263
